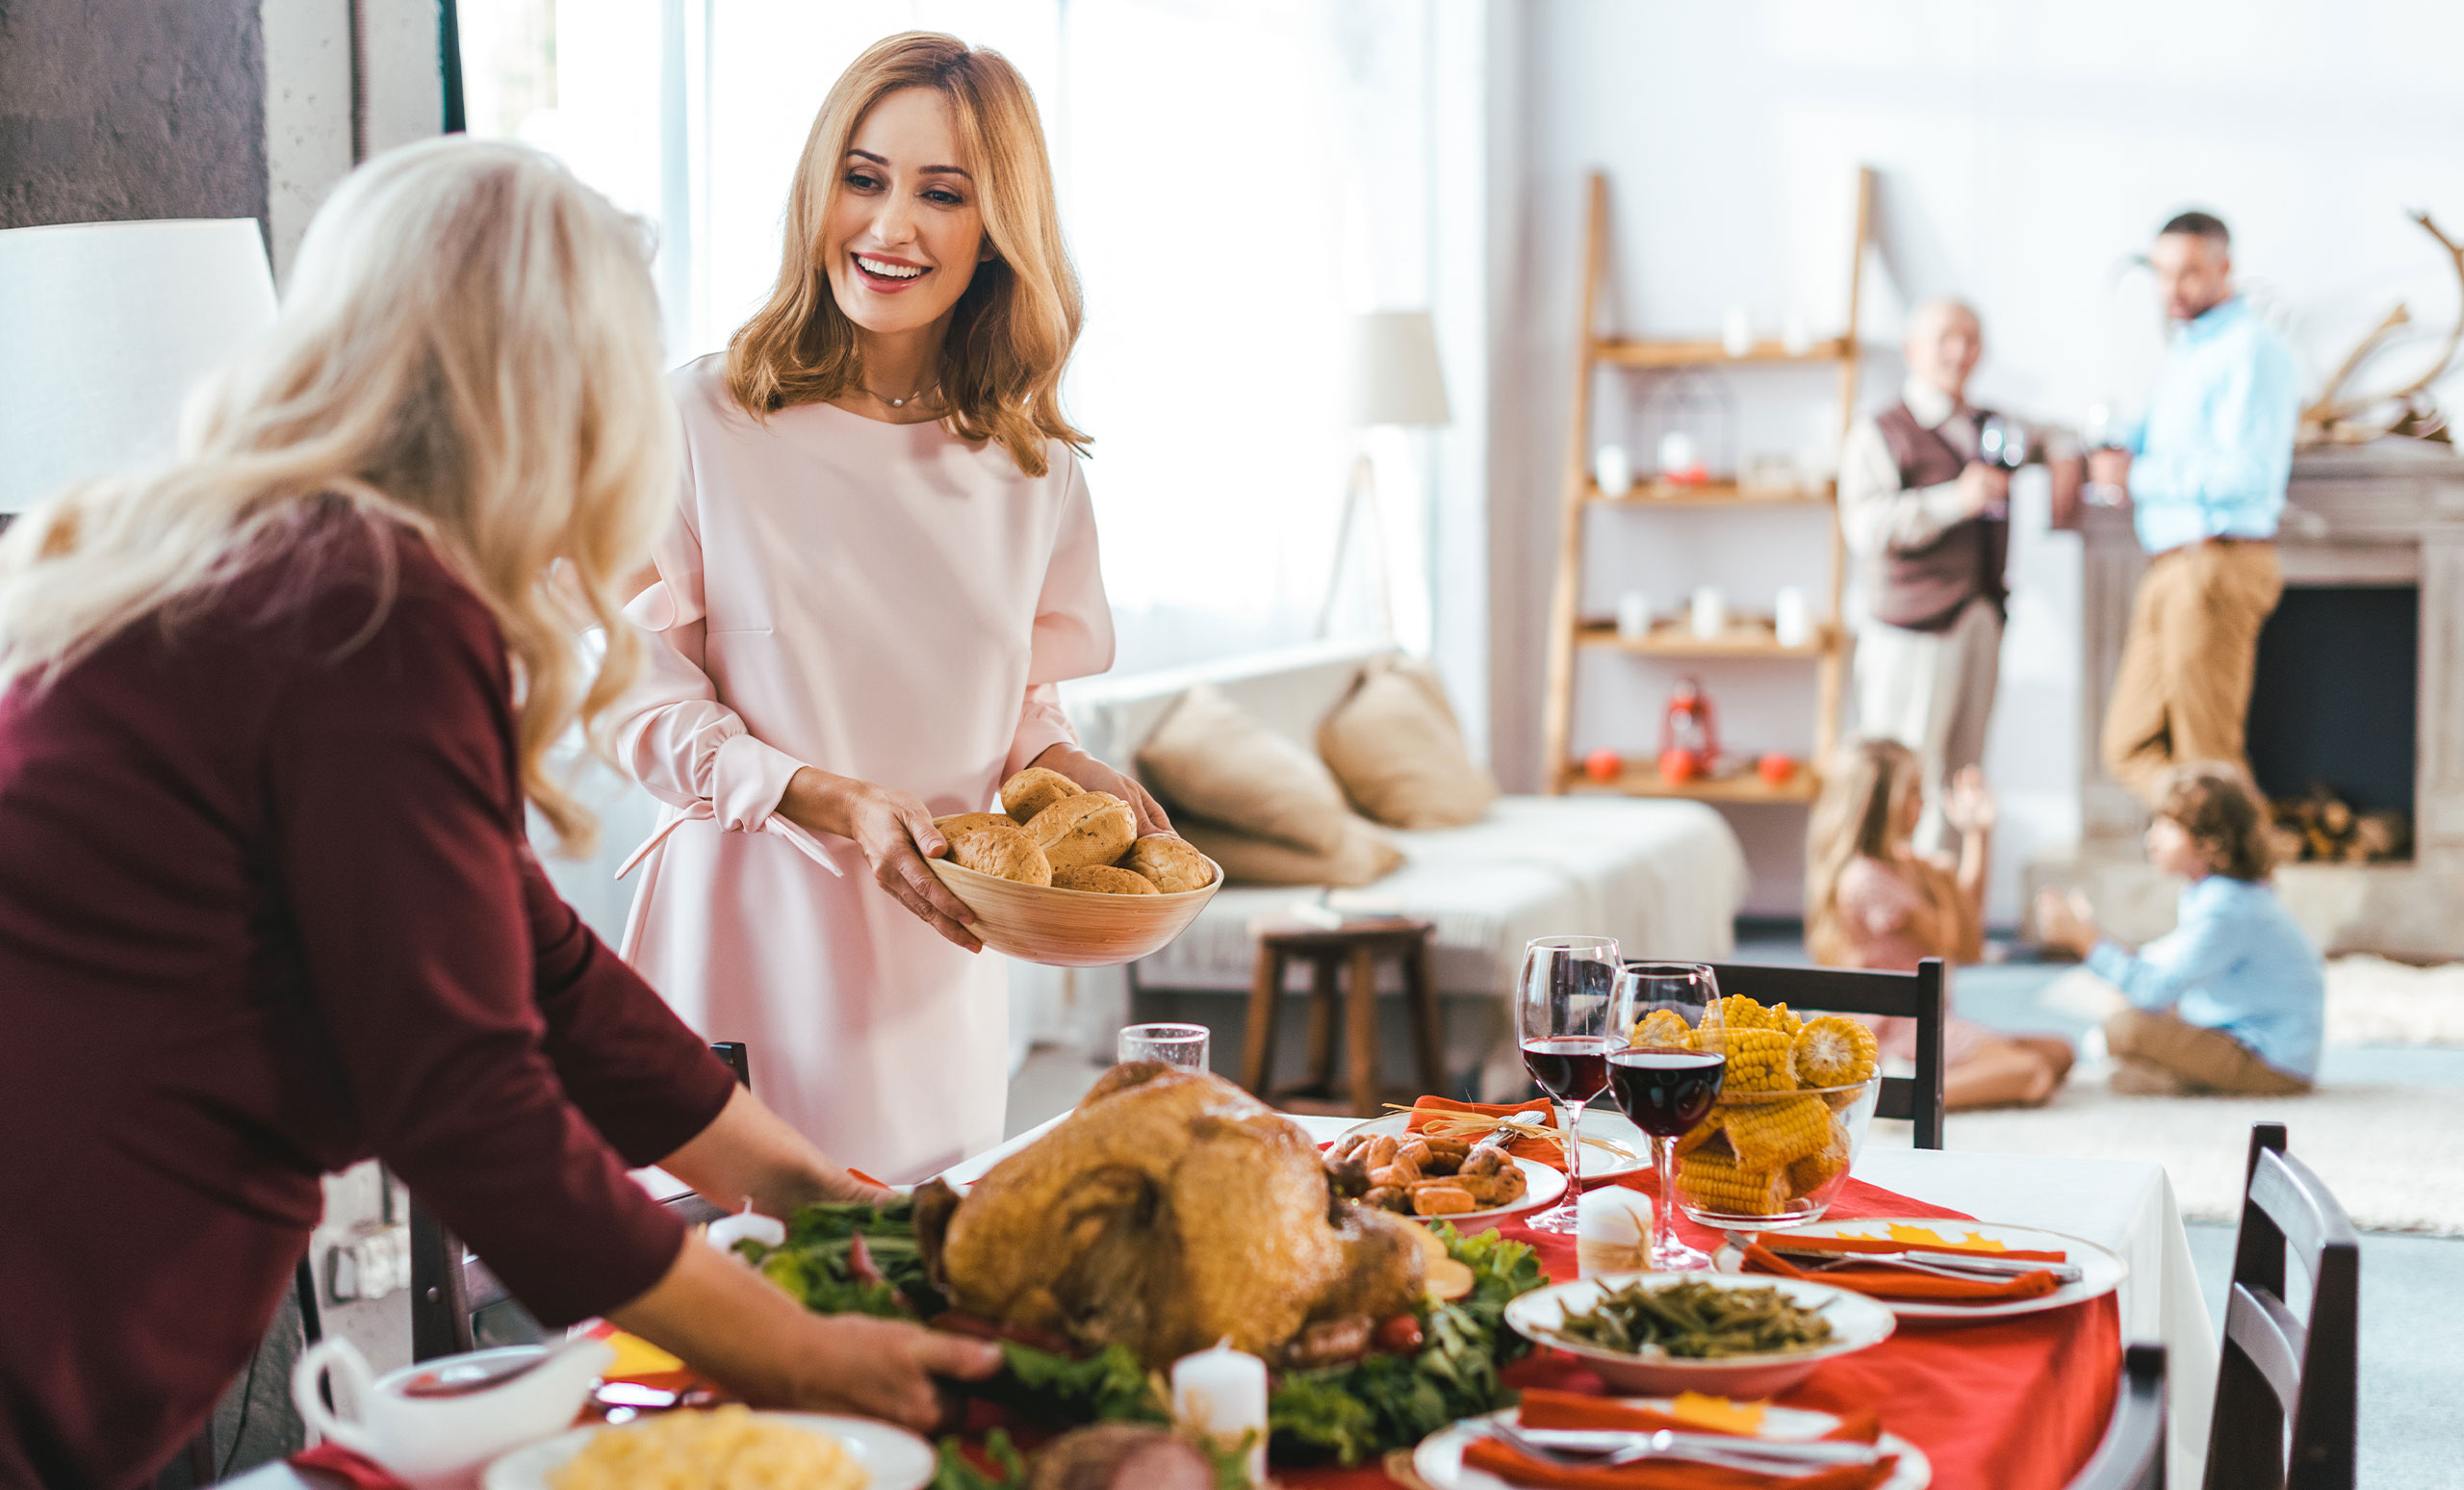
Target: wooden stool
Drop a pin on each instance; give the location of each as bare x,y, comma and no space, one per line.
1361,946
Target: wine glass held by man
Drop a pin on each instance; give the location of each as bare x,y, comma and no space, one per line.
272,716
882,563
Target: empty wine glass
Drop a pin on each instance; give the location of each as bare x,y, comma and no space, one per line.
1565,1019
1667,1077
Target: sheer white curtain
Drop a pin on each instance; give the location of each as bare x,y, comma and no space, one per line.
1235,176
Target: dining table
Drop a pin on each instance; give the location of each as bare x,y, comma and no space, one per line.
2008,1403
2000,1404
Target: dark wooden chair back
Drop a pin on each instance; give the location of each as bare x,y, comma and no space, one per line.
2277,1369
2132,1456
1922,996
449,1285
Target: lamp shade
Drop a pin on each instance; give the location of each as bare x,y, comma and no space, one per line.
1394,376
104,328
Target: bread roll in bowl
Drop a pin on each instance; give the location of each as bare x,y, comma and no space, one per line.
1003,850
961,822
1092,828
1167,862
1103,880
1034,789
1064,928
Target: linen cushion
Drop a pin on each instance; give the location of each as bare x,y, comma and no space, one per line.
1399,754
1210,759
1361,856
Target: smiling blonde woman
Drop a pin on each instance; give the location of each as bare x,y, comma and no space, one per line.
883,562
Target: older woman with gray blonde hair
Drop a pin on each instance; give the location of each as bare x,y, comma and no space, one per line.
269,720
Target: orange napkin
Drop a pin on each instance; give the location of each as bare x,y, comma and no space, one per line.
1798,1242
1537,1150
1887,1282
1542,1408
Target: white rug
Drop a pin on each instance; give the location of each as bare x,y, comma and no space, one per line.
2370,1001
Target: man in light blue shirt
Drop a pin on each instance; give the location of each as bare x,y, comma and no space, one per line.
2206,478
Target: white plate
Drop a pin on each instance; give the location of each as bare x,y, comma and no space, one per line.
1439,1459
1857,1324
2101,1272
1598,1122
893,1459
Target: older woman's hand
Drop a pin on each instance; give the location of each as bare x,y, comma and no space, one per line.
1094,775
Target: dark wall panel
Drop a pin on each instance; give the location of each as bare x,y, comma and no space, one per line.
112,110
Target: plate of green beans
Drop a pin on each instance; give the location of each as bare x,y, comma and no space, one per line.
1707,1332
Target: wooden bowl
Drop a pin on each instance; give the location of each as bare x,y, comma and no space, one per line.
1066,928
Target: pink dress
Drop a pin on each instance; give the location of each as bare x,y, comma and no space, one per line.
1877,901
885,602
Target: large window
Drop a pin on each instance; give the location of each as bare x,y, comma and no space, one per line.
1235,176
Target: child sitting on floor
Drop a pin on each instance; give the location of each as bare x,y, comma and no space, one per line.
1873,900
2234,998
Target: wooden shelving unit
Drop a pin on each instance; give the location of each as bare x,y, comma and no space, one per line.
1570,635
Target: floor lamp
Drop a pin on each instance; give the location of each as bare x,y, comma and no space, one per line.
1393,379
104,328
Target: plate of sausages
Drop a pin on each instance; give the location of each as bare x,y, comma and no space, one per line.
1471,1185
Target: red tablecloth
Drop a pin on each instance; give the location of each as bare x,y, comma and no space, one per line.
2011,1404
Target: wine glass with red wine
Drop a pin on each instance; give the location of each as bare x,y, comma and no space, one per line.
1666,1077
1565,1015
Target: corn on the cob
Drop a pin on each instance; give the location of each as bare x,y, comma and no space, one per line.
1830,1051
1714,1181
1815,1169
1739,1013
1773,1135
1662,1027
1701,1133
1785,1019
1758,1059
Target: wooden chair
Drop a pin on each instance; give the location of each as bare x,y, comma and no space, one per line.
449,1285
2277,1367
2132,1456
1923,995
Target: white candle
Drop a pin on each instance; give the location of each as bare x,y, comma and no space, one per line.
1711,612
1222,1394
1736,332
1634,615
1613,471
1792,618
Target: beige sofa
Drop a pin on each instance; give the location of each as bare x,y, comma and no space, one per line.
1665,878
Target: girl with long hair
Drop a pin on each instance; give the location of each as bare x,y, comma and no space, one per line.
1873,900
883,561
270,717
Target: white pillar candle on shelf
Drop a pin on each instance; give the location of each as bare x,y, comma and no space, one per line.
1613,471
1711,612
1736,332
1222,1394
1792,618
1796,338
1634,615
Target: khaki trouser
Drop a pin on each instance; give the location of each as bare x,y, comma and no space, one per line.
1932,691
2183,693
2198,1058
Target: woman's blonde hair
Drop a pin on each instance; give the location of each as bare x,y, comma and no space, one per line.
1013,329
1864,792
469,347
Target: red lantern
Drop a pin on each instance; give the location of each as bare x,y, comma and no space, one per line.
1690,737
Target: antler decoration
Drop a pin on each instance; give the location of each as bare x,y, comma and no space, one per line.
2330,419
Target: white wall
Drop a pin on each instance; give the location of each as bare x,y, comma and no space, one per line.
2026,150
308,98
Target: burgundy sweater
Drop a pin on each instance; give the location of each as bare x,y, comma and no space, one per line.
267,908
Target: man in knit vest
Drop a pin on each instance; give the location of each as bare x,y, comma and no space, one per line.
1929,526
2206,480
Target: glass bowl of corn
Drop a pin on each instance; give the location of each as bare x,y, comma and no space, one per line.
1795,1100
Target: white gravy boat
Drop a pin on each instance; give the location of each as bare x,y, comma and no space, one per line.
441,1440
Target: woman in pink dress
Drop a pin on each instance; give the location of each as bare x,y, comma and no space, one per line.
883,562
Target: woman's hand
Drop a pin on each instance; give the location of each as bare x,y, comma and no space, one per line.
1092,775
1970,806
2067,921
894,830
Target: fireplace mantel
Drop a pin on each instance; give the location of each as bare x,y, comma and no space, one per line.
2391,512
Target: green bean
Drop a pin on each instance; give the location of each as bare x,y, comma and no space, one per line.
1696,1321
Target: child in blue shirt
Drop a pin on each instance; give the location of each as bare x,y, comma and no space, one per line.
2233,999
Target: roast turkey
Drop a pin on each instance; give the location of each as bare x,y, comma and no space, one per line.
1168,1211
